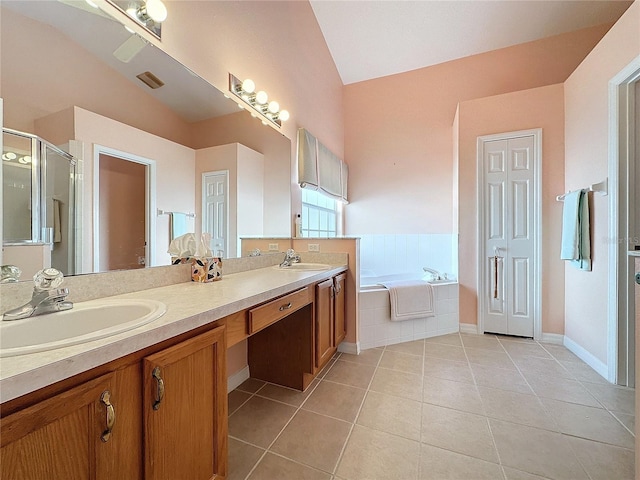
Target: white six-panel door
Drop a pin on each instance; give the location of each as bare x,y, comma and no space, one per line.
214,209
509,208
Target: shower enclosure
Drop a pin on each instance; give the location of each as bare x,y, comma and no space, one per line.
38,204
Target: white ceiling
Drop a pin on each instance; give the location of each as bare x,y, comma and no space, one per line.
370,39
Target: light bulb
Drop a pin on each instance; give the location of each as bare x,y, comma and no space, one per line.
156,10
9,156
248,85
131,11
262,97
24,160
274,106
284,115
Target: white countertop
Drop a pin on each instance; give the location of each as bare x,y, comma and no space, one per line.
189,305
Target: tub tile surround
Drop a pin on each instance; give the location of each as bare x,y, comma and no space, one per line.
189,305
390,254
377,329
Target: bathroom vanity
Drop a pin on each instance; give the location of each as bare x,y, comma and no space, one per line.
152,402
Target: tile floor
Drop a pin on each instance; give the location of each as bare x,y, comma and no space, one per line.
461,407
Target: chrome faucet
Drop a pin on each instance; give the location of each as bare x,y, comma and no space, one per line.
290,257
46,297
435,275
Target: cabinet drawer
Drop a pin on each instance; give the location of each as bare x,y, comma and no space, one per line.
271,312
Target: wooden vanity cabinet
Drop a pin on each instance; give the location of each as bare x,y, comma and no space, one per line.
68,435
330,318
176,432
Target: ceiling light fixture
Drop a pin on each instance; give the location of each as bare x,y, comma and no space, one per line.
245,91
148,13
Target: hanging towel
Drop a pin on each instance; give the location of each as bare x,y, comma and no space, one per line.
57,224
410,299
178,224
576,241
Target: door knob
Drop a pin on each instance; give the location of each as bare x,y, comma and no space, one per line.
638,278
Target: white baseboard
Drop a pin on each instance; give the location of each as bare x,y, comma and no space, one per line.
235,380
587,357
470,328
555,338
352,348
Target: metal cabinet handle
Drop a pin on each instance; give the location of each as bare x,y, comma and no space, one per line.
157,374
337,289
111,415
285,307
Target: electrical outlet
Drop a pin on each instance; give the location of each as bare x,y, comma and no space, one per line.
313,247
273,247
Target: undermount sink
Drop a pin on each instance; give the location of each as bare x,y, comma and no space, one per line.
85,322
305,266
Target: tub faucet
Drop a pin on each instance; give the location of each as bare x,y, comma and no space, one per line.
436,275
46,297
290,257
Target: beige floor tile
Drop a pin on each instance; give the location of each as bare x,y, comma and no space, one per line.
490,358
242,458
352,374
450,339
618,399
414,348
251,385
448,352
516,407
390,414
314,440
404,362
451,394
461,432
273,467
561,353
447,369
522,349
286,395
588,422
546,367
399,384
336,400
236,398
604,462
582,372
536,451
436,463
371,454
628,421
366,357
563,389
502,378
322,373
513,474
485,342
259,421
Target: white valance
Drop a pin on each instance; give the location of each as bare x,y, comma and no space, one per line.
320,169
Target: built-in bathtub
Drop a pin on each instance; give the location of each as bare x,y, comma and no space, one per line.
377,329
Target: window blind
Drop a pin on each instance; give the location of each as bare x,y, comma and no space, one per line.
320,169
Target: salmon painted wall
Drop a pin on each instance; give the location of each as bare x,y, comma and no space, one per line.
586,162
398,130
525,110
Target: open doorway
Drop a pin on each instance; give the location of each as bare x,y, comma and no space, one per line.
123,207
624,220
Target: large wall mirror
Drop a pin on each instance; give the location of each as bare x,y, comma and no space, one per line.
147,139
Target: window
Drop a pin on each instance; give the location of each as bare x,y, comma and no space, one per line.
319,215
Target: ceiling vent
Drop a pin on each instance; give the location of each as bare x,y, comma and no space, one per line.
150,80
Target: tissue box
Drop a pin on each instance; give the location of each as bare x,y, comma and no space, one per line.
203,269
206,269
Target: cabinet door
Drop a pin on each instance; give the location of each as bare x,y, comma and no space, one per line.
339,319
67,436
324,322
185,410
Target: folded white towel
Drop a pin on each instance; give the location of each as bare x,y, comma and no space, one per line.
410,299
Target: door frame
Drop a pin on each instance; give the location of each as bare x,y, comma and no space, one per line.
537,225
619,329
150,201
226,251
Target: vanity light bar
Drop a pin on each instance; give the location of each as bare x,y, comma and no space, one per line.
259,104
